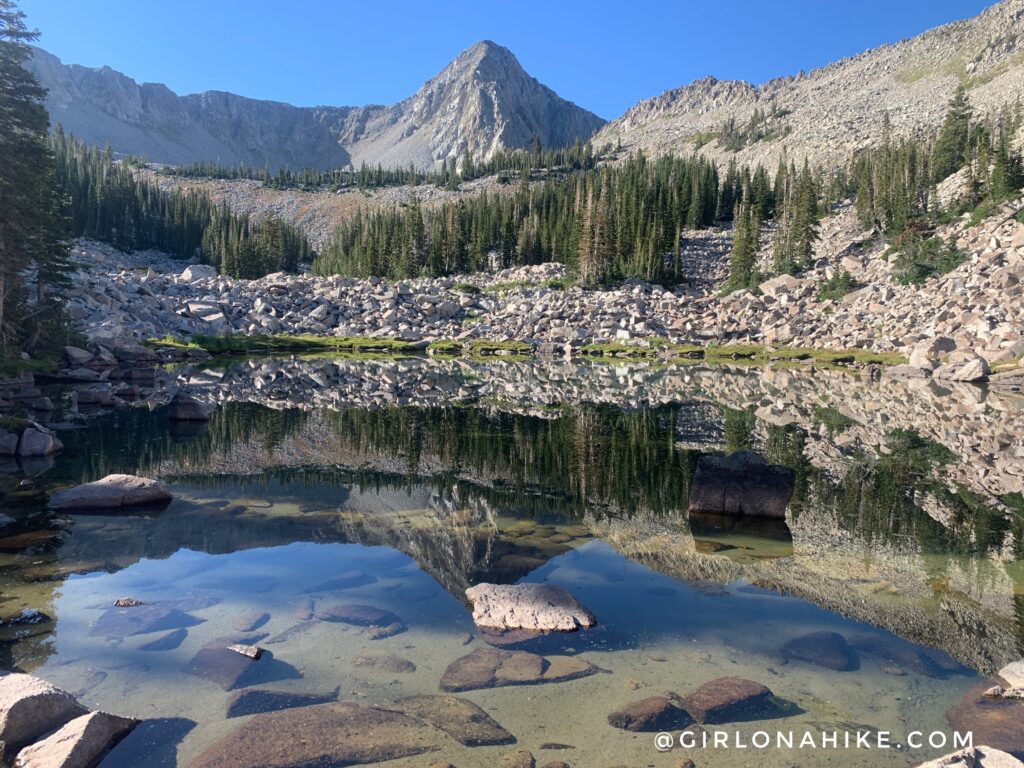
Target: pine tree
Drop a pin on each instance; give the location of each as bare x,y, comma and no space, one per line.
950,152
32,224
745,244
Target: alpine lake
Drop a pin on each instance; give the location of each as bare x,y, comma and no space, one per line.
884,603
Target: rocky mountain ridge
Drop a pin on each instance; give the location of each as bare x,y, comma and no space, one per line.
481,102
830,112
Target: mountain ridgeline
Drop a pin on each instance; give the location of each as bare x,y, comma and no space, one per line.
482,102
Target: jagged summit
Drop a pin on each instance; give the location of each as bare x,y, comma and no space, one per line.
481,101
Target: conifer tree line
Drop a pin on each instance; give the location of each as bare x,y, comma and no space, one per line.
535,162
608,223
33,234
108,201
895,182
793,201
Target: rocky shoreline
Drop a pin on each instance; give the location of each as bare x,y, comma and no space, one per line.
963,326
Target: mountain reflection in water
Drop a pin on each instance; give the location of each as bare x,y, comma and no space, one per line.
430,476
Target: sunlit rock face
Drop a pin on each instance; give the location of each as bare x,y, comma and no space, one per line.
481,102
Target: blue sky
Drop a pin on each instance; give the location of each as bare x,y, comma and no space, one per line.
604,56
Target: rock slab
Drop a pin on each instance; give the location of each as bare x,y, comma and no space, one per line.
80,743
325,734
30,707
463,720
111,492
255,701
495,668
729,699
544,607
381,623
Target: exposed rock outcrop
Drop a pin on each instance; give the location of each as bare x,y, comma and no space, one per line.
481,102
544,607
46,727
830,112
112,492
81,743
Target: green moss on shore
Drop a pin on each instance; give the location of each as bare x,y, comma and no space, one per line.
651,349
241,345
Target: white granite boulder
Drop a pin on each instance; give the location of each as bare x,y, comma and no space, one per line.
543,607
81,743
975,757
1013,674
30,707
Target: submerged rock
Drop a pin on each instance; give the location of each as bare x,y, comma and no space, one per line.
824,649
521,758
527,606
996,722
221,661
655,713
463,720
30,707
742,483
80,743
380,622
254,701
383,662
168,642
251,621
346,580
494,668
141,620
894,650
111,492
729,699
324,734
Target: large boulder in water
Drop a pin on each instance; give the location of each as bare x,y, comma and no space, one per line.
112,492
543,607
655,713
742,483
30,707
730,699
80,743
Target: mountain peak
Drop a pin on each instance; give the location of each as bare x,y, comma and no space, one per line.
485,60
482,101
